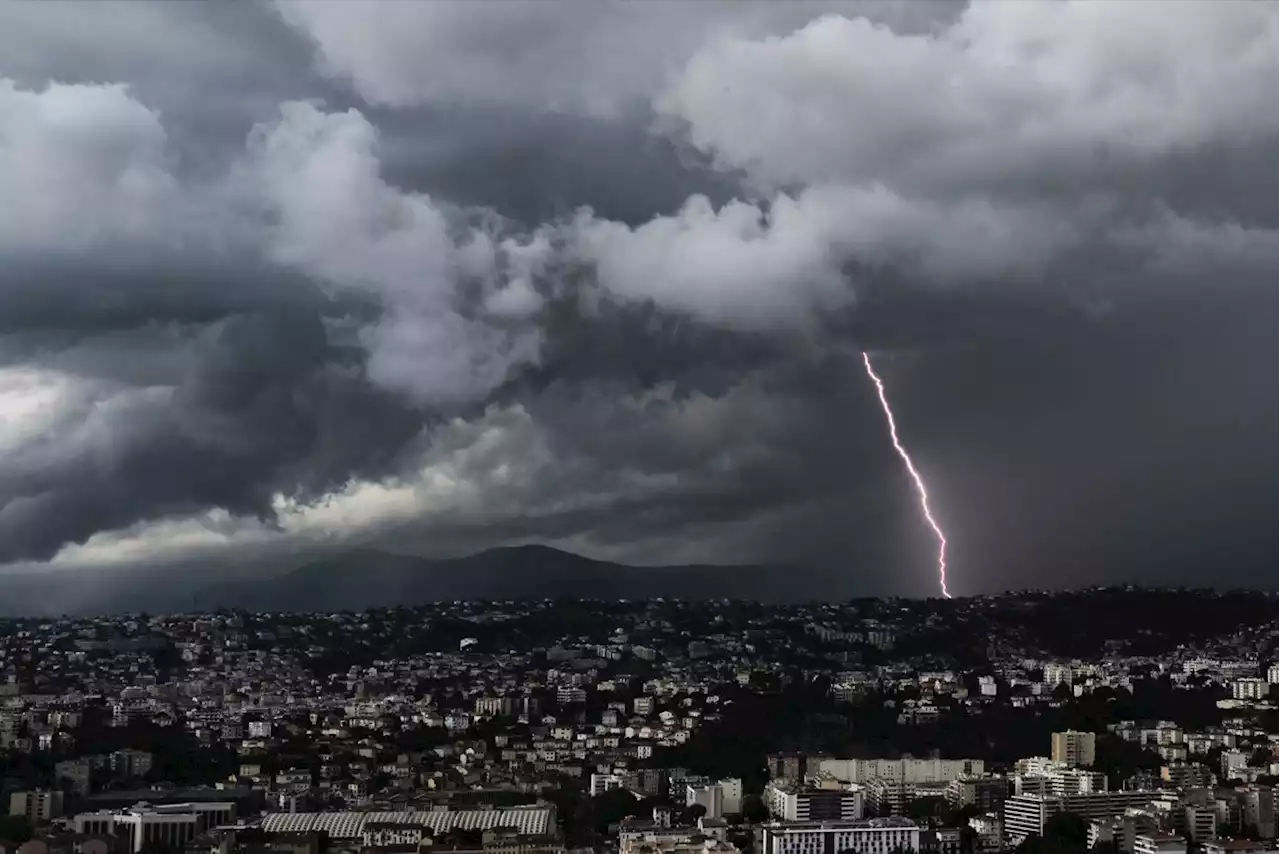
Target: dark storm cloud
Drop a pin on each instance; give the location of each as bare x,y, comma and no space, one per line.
679,467
1138,447
647,348
267,406
539,167
104,292
211,69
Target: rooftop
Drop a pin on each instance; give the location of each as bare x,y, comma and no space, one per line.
350,825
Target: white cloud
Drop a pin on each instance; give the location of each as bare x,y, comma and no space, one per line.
32,402
595,58
80,165
1009,89
339,221
755,268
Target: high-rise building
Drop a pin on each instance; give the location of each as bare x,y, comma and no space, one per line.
731,789
891,797
985,793
1073,748
39,806
1258,810
1250,688
1201,822
128,764
1187,775
791,801
1057,674
710,798
1060,781
788,766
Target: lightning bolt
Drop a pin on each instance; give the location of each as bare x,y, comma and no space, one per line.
915,475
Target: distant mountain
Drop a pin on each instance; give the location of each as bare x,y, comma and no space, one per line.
367,578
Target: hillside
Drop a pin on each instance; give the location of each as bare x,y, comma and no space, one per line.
368,578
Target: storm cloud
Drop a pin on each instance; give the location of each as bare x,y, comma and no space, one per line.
280,278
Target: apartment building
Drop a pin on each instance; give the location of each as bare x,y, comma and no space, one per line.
869,836
905,770
1159,843
1072,748
40,806
790,801
1026,815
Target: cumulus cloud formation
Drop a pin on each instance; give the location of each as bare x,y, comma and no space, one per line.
598,59
80,165
336,219
1002,93
782,263
443,275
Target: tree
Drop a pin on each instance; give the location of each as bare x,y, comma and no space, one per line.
959,816
15,828
924,809
613,806
1068,828
1105,847
692,813
754,810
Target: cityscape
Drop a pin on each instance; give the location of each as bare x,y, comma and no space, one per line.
651,727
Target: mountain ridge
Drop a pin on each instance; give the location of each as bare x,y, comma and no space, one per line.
364,578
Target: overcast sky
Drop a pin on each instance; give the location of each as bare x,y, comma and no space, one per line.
277,279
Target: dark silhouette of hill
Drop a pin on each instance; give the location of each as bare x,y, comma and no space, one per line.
367,578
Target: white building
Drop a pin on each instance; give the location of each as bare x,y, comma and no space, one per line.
601,783
1250,689
644,838
788,800
171,824
905,770
870,836
731,789
710,798
1059,782
1159,843
1057,674
1026,815
1232,762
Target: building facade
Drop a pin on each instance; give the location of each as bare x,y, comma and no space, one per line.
1073,748
790,801
870,836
